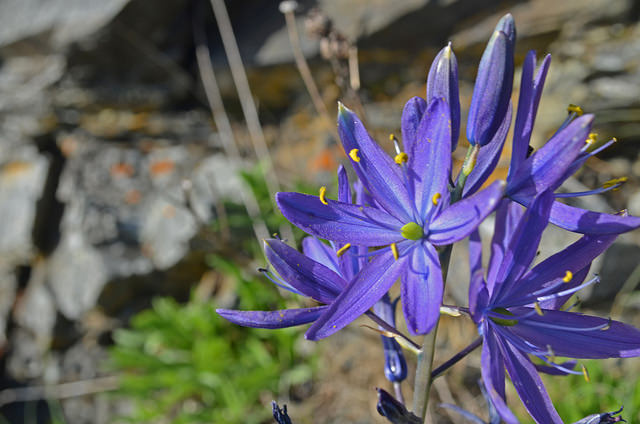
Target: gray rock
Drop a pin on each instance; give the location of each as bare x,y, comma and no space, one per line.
166,230
22,178
8,285
76,275
27,358
37,297
56,22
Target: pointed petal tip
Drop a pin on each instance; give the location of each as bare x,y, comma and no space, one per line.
507,17
506,24
448,51
342,109
586,119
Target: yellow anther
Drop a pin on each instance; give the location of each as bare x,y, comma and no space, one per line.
343,249
538,309
323,193
585,373
392,137
614,182
568,276
401,158
394,249
435,198
575,109
593,137
353,154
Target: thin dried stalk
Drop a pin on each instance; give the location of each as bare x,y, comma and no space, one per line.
59,391
221,119
301,62
247,104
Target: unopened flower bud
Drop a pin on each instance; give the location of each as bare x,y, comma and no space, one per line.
492,92
442,83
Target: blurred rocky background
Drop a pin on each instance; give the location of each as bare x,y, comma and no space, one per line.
112,168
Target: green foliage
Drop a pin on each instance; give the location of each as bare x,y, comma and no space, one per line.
185,364
239,221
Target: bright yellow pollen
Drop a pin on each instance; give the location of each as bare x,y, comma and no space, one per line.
343,249
538,309
353,154
435,198
575,109
568,276
392,137
394,249
592,138
401,158
614,181
585,373
323,192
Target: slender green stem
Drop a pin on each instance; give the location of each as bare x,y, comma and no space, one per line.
456,358
423,380
467,166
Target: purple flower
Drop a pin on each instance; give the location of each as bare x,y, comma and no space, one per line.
411,216
299,274
517,309
546,169
442,83
395,366
492,90
604,418
393,410
321,273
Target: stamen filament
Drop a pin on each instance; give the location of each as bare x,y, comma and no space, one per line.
589,192
396,145
278,281
559,366
535,323
596,150
569,291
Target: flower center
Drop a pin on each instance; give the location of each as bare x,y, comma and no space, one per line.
412,231
503,321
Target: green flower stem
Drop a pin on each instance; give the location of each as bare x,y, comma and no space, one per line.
423,380
456,358
467,166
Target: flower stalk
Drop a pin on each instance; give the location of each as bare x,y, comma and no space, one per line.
424,378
